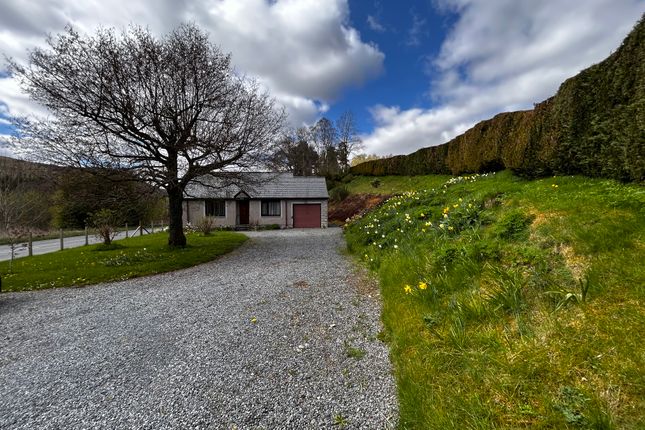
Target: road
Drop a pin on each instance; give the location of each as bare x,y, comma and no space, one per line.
279,334
53,245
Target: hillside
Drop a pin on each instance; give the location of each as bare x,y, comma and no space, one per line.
510,303
594,125
38,196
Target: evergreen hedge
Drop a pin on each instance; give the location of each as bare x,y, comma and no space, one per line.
594,126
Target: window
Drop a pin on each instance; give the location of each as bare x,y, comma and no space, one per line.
215,208
270,207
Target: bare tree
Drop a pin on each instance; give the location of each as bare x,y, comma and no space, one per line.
325,137
348,140
170,109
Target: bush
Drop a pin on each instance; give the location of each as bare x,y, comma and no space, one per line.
338,194
514,225
105,222
375,183
205,226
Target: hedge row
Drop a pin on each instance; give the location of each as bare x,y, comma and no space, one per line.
594,125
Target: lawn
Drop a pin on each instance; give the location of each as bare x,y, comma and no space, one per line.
394,184
511,303
124,259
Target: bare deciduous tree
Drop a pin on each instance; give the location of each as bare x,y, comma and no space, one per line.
169,109
348,139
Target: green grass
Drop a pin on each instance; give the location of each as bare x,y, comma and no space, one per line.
127,258
525,302
395,184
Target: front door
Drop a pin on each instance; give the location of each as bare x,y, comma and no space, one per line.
243,211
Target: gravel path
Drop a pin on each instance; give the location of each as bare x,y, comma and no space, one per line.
268,337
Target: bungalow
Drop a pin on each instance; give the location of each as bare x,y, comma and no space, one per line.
262,199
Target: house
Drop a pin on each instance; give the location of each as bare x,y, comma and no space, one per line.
263,198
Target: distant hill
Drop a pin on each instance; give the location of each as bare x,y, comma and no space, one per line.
65,196
31,176
594,126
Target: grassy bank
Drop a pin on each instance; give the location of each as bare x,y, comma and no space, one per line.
512,303
124,259
394,184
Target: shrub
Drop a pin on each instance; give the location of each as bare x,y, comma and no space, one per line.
514,225
376,183
338,194
105,222
205,225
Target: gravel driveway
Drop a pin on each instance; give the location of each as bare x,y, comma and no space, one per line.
269,336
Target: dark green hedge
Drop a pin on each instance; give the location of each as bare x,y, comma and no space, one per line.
594,126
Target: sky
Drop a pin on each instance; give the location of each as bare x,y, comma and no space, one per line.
413,73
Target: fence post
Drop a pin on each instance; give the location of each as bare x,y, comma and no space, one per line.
152,227
30,247
87,240
140,229
61,239
127,233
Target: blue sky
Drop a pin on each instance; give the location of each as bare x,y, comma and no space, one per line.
410,37
414,73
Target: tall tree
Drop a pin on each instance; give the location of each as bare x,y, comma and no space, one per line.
348,139
325,137
170,109
295,154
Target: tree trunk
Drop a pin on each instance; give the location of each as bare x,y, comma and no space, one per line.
176,237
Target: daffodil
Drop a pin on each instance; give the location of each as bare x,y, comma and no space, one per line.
407,289
423,285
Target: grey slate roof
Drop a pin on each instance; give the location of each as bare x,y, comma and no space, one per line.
259,185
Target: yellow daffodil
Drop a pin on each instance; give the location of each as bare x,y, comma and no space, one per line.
407,289
423,285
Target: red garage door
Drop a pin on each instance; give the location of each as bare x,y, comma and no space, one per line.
306,216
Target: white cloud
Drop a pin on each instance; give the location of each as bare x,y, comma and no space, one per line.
304,51
374,23
416,31
503,55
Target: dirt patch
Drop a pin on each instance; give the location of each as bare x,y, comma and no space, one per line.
355,204
577,264
300,284
364,281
